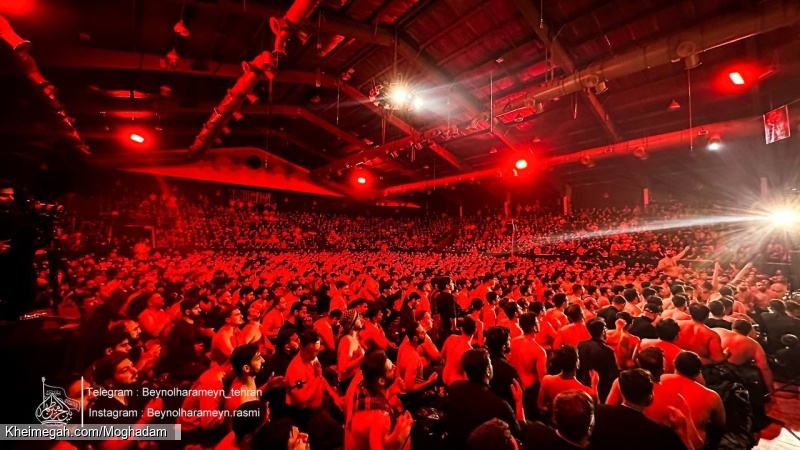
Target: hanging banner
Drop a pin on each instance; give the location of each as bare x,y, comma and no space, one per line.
776,125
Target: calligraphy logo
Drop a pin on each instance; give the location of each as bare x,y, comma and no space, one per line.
56,408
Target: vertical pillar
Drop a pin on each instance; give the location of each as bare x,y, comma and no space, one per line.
764,189
567,200
461,211
507,204
646,196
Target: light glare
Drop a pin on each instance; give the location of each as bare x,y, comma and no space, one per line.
785,217
737,78
400,96
361,180
137,138
521,164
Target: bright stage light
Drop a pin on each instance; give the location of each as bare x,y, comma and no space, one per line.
137,138
418,103
785,218
361,180
521,164
737,78
400,96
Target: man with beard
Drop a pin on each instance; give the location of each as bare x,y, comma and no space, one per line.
116,376
227,338
252,333
297,317
184,344
372,419
247,363
273,318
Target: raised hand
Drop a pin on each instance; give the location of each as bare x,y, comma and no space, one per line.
297,440
516,390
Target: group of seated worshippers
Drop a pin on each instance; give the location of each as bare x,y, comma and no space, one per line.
355,353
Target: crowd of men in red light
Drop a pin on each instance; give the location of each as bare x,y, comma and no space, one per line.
373,332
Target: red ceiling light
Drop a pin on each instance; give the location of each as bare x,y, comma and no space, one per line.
521,164
737,78
137,138
361,180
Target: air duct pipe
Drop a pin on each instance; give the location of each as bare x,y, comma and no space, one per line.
636,147
47,90
769,16
262,65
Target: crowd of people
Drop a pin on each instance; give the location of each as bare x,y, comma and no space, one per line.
633,233
347,332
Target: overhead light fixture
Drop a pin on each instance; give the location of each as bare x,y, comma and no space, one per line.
673,106
137,138
180,29
361,180
493,150
172,58
600,87
518,118
714,142
736,78
397,95
640,152
521,164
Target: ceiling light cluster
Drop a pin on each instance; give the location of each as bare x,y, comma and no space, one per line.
395,96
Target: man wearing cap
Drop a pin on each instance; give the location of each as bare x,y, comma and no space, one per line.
642,326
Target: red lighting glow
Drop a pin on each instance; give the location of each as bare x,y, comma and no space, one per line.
521,164
361,180
137,138
16,7
737,78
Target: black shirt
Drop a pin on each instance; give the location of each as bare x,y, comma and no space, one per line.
642,327
596,355
180,343
537,435
447,308
621,428
468,406
713,322
609,314
503,376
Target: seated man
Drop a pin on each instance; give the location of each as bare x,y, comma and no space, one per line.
494,434
471,402
573,418
626,427
306,389
708,412
373,423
